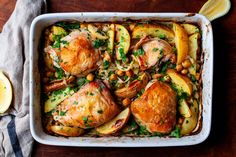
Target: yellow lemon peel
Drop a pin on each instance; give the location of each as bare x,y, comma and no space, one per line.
5,93
213,9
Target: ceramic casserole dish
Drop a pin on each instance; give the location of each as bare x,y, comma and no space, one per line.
43,21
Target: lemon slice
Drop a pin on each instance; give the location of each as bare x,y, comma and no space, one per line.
5,93
213,9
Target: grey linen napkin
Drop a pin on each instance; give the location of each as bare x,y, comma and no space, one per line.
15,137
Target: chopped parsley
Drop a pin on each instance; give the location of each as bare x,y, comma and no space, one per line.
63,113
99,43
86,121
81,81
139,52
176,132
155,49
69,26
106,64
122,54
59,72
162,36
164,67
143,131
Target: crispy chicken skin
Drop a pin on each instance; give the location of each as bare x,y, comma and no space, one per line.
154,50
90,107
156,108
78,58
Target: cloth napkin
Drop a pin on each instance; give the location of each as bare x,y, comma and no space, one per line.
15,137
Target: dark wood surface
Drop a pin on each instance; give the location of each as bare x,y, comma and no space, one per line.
222,140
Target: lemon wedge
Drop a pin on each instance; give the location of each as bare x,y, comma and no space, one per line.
213,9
5,93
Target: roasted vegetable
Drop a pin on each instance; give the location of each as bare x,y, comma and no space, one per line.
115,124
67,131
156,30
182,83
56,98
190,29
123,40
190,122
193,50
134,87
181,41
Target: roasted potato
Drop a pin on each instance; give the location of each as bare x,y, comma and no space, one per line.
182,83
115,124
153,30
193,49
134,87
184,109
67,131
123,40
111,36
190,122
55,99
190,29
181,41
56,30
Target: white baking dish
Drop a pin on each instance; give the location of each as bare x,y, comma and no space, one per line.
36,128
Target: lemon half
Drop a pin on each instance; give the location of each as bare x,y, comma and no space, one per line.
213,9
5,93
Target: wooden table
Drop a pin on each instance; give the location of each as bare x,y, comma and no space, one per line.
222,140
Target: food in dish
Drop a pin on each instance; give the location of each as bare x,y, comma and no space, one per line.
121,79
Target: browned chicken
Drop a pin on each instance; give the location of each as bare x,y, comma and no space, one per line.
90,107
154,51
156,108
79,57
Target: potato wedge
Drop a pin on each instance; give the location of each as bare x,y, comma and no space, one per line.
182,83
115,124
133,88
191,122
56,30
111,36
193,49
181,41
190,29
56,98
94,32
123,40
183,108
154,31
67,131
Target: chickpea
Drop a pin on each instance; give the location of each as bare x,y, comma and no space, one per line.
129,73
90,77
48,74
190,101
197,76
186,63
180,120
120,73
51,37
167,78
173,59
197,67
113,77
107,57
184,71
179,67
126,102
196,95
156,76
